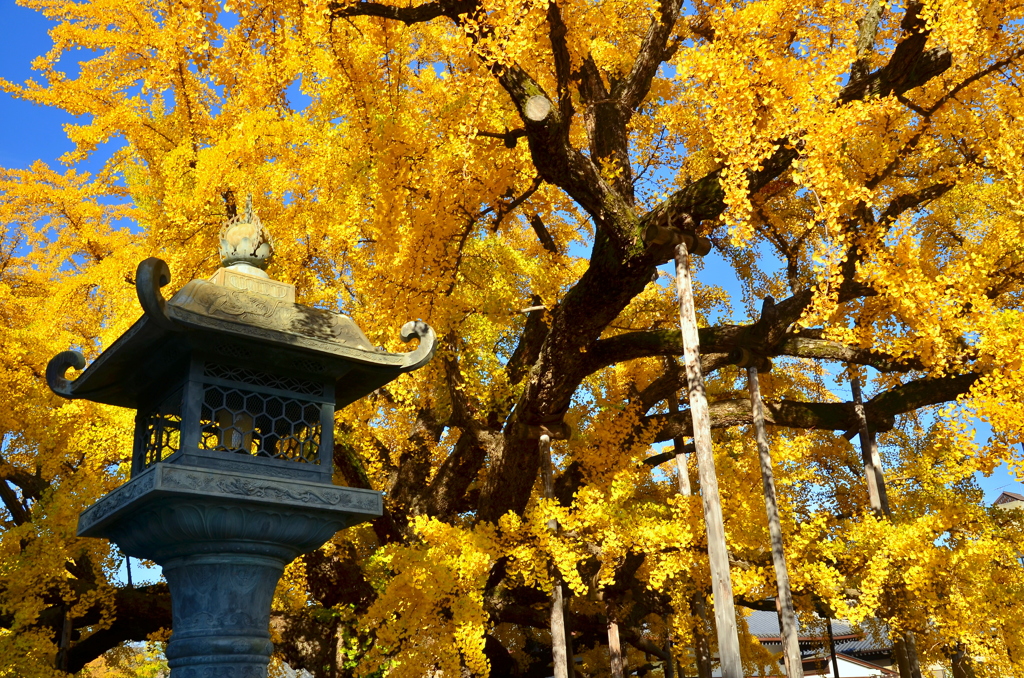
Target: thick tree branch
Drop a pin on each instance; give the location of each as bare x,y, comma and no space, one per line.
455,475
543,235
138,613
913,200
881,410
909,65
350,468
407,15
20,513
414,466
31,485
634,88
867,30
821,349
563,62
528,348
759,337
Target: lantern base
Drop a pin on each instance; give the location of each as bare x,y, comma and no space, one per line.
223,540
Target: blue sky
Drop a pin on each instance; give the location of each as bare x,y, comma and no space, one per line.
29,133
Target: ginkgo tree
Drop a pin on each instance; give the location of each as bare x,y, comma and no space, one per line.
493,168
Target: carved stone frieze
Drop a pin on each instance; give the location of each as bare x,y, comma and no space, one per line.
277,490
120,497
187,503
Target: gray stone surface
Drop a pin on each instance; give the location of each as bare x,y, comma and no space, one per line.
175,482
223,540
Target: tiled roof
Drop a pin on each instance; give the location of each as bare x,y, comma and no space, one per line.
765,626
1007,497
861,645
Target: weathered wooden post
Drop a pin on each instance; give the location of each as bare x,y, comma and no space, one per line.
784,602
718,552
906,647
790,636
701,648
559,641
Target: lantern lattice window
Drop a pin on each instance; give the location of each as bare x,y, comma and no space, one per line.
258,423
162,431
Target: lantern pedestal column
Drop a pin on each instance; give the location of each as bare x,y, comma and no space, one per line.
221,607
223,540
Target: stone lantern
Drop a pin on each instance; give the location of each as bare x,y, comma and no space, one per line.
235,387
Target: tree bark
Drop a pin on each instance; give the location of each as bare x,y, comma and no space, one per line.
832,646
899,649
877,495
961,665
718,553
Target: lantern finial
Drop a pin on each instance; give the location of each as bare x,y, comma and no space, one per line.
245,243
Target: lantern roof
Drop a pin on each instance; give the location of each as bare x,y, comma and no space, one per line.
242,314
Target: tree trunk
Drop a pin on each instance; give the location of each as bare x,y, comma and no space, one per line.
962,665
787,616
65,640
832,646
718,554
899,649
915,664
558,637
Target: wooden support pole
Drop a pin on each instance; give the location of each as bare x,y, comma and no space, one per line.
718,552
668,668
869,454
701,647
899,649
787,615
915,663
64,645
905,648
683,473
558,637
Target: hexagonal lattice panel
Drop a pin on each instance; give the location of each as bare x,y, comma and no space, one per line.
237,420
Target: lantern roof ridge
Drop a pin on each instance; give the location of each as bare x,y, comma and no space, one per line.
235,313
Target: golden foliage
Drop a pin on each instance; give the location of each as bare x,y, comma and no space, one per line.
381,154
